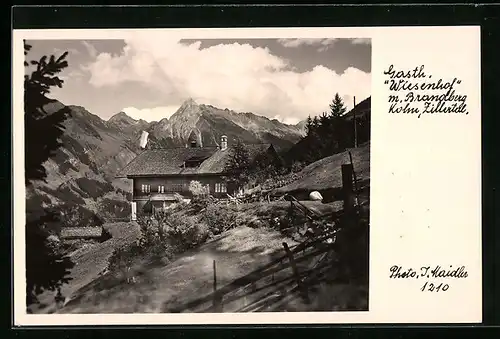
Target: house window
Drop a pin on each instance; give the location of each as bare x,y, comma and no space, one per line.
161,189
220,187
175,188
145,188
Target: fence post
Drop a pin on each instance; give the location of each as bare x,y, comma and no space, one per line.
295,270
217,302
347,188
355,180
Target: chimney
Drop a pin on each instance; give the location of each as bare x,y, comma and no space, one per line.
223,143
144,139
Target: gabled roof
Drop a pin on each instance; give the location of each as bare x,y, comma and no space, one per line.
80,232
170,161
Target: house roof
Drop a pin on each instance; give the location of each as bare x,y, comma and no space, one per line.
81,232
170,161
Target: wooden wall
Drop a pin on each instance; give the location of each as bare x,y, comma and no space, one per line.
177,184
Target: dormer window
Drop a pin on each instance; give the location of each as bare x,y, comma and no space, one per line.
194,162
193,143
191,164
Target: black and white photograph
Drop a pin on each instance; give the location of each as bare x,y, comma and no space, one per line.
170,175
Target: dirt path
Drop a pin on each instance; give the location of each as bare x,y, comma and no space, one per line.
170,288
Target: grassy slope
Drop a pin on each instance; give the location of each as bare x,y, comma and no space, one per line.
91,260
158,288
325,173
167,288
185,285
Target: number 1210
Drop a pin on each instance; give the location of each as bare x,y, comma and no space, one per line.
434,288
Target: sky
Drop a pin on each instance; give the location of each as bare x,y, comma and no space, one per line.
149,77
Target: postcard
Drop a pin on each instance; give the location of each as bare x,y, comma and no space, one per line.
238,176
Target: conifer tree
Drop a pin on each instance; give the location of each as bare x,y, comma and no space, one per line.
42,130
238,163
337,107
338,124
46,267
309,125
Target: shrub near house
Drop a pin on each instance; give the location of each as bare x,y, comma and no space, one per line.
114,209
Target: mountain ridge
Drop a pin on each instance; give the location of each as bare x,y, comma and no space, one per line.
209,123
83,169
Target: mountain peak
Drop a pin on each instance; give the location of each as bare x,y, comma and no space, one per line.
189,103
189,109
121,116
122,119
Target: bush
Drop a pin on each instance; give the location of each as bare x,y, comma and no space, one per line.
197,189
168,234
179,207
185,234
161,238
180,234
127,195
149,245
219,218
110,208
297,166
201,197
199,203
123,257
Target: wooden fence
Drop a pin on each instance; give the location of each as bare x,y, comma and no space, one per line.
317,247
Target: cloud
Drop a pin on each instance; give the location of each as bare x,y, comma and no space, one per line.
151,114
91,50
287,120
306,41
71,51
237,76
76,74
362,41
322,43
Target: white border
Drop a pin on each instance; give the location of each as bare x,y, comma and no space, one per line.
380,311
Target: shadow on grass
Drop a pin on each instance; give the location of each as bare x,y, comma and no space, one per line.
153,286
146,276
339,282
323,288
